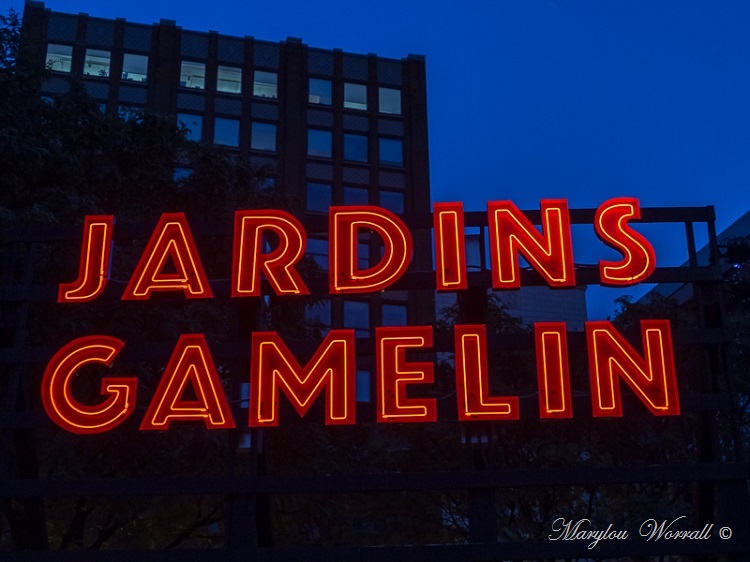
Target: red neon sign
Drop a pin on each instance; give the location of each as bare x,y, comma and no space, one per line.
331,372
190,364
639,259
57,394
93,269
550,253
345,225
171,241
278,266
394,373
268,245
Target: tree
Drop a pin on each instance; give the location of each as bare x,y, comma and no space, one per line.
65,158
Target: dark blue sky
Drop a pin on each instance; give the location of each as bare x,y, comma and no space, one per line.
543,98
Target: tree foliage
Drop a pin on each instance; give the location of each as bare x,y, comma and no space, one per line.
64,158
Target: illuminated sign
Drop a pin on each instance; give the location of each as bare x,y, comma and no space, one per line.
170,262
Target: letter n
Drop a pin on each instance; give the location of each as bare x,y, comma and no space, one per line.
549,253
274,369
652,378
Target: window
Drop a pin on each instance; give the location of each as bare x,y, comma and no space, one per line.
267,183
319,143
394,315
319,313
59,57
181,174
363,386
263,136
193,125
229,79
135,67
474,251
393,201
265,84
389,100
193,75
227,132
356,196
357,316
318,197
317,248
355,96
129,112
363,250
355,147
320,91
391,152
96,63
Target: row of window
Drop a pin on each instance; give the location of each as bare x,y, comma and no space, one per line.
320,197
319,141
320,144
357,315
227,131
228,80
97,62
265,84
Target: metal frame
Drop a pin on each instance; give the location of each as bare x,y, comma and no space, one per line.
722,483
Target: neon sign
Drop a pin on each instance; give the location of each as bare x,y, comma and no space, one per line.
171,263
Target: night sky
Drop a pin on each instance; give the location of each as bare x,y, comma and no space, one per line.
528,99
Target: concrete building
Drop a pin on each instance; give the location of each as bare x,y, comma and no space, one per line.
335,128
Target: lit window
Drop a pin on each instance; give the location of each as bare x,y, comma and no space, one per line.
227,132
390,101
318,197
59,57
229,79
357,316
193,125
263,136
391,152
317,248
320,91
393,201
355,96
96,63
319,143
355,147
193,75
265,84
356,196
135,67
394,315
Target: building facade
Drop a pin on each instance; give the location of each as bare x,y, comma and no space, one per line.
334,128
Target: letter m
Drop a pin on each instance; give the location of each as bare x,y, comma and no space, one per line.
652,377
273,368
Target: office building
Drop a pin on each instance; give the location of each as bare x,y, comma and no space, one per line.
335,128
